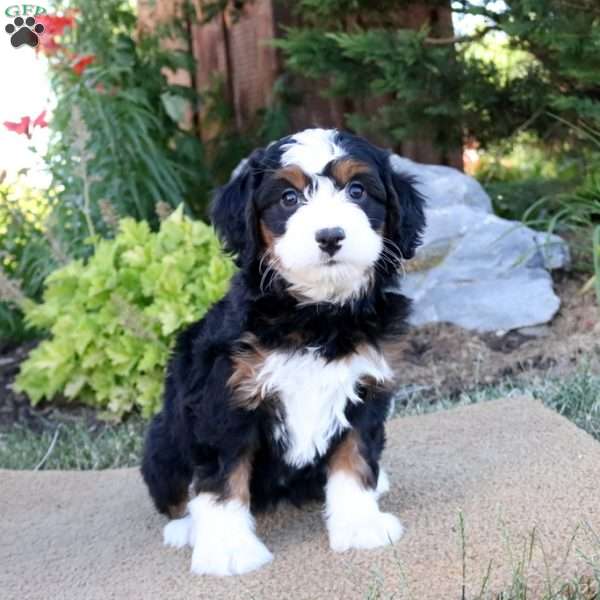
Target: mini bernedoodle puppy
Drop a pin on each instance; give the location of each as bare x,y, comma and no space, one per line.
282,389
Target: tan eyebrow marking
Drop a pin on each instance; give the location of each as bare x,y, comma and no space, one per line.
344,169
295,175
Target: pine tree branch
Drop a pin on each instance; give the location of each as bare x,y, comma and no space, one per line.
534,117
459,39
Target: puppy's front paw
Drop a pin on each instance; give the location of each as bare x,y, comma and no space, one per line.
229,556
368,531
178,532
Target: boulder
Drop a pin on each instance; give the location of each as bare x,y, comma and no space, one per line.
475,269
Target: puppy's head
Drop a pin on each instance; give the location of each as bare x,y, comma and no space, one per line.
322,209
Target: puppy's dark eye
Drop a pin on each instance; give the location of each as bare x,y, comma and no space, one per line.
289,198
356,191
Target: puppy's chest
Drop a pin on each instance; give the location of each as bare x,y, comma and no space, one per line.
310,396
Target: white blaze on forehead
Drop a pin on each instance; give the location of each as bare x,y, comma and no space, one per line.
312,150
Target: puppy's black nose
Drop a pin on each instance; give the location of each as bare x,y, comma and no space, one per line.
329,239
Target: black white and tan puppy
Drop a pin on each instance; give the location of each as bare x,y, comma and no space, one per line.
282,389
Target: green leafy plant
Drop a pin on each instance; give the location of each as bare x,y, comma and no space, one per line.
112,319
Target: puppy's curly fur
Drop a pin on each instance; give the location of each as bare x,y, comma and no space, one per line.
235,427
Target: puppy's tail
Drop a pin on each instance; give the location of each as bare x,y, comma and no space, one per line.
165,471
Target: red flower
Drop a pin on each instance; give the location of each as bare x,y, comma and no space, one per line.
55,25
22,127
40,120
82,62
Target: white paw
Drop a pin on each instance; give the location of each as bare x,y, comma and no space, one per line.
230,556
372,531
383,484
223,538
178,532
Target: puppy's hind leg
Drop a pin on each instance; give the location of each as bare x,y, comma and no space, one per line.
179,532
165,471
223,528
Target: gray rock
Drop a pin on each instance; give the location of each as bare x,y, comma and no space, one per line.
554,250
487,304
475,269
444,186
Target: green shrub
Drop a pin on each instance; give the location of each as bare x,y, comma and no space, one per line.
575,208
26,254
112,319
518,171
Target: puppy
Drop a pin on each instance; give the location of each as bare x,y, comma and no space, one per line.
281,390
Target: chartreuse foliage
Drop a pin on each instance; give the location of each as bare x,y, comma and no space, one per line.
112,319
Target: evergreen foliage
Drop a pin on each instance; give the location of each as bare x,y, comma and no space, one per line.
413,82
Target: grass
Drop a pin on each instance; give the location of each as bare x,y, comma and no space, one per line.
73,446
532,573
526,558
79,446
576,397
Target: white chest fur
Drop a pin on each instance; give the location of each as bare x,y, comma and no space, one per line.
314,394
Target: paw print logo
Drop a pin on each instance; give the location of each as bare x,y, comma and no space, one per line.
24,31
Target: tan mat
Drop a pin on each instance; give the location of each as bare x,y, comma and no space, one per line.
509,465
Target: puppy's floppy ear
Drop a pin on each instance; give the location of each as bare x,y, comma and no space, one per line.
232,207
406,219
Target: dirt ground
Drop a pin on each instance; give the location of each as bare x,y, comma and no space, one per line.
16,408
446,360
434,360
